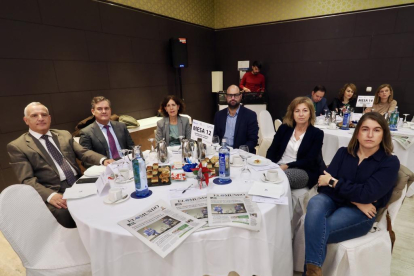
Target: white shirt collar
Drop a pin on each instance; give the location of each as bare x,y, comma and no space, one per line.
101,126
38,135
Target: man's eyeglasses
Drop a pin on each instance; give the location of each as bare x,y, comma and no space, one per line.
233,95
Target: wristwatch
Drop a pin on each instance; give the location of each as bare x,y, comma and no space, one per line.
331,182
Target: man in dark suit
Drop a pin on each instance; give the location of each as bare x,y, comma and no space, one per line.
236,123
45,159
319,102
104,136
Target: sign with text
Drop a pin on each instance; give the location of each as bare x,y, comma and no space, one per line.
202,130
365,101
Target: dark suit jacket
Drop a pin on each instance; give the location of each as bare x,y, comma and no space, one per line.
91,137
246,130
309,156
34,166
320,106
163,128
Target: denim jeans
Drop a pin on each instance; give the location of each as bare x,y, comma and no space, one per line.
325,223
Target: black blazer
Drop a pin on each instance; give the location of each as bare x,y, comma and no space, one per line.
309,156
246,130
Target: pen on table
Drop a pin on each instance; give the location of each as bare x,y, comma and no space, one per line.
187,188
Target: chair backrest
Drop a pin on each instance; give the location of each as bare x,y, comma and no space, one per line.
266,125
27,223
264,146
278,123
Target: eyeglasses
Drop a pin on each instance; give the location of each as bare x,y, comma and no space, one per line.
233,95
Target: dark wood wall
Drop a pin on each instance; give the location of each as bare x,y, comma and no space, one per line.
368,49
62,53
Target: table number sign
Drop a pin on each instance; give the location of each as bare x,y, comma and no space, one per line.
202,130
367,100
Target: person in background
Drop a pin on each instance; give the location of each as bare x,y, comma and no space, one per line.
45,159
347,97
104,136
236,123
297,145
359,181
253,81
172,125
384,100
319,102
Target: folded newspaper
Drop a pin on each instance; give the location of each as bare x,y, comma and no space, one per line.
404,140
161,227
233,209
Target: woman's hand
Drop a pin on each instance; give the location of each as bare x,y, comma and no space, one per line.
368,109
368,209
284,167
324,179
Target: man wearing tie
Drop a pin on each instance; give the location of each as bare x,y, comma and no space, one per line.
45,159
104,136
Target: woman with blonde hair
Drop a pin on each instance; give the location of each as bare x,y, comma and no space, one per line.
297,145
384,100
359,181
347,97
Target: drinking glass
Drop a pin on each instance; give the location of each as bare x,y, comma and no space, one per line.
215,141
181,137
244,154
124,153
405,117
151,140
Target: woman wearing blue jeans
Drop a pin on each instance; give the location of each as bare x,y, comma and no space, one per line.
359,180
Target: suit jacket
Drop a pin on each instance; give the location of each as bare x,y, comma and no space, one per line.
320,106
246,130
309,156
34,166
91,137
163,128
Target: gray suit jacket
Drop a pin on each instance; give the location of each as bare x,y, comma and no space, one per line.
34,166
163,128
91,137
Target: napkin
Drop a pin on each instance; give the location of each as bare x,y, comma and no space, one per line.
266,189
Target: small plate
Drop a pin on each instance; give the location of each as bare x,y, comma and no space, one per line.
263,162
262,178
106,200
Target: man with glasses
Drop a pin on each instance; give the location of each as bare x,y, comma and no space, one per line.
104,136
236,123
45,159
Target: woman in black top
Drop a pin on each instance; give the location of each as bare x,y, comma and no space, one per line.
347,97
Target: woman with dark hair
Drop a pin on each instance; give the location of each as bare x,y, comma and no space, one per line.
347,97
172,125
384,100
297,145
359,180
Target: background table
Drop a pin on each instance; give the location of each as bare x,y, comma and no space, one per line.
114,251
334,139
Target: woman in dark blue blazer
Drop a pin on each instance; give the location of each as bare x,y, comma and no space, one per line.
297,145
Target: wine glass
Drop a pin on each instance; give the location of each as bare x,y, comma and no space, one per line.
151,140
215,141
244,154
405,117
181,137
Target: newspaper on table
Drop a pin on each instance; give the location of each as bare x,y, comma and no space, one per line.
404,140
161,227
193,206
233,209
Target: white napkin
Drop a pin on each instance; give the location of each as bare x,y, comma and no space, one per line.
79,191
266,189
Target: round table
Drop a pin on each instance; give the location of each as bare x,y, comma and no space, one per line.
114,251
335,139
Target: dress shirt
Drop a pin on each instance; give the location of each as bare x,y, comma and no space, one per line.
105,134
230,127
291,151
43,142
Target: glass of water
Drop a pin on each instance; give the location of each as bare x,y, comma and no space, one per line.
244,154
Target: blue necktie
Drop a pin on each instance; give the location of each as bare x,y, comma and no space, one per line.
70,177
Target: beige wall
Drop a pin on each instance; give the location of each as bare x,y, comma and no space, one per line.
220,14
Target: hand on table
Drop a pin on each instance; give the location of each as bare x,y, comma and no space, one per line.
368,209
58,201
108,161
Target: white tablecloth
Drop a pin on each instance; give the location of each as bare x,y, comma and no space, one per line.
335,139
114,251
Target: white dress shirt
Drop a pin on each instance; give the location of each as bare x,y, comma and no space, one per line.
291,151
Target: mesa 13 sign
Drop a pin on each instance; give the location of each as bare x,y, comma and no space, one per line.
202,130
365,101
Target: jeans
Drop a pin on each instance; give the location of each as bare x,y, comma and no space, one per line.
325,222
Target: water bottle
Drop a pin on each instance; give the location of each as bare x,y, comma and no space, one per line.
224,163
140,176
346,119
394,119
